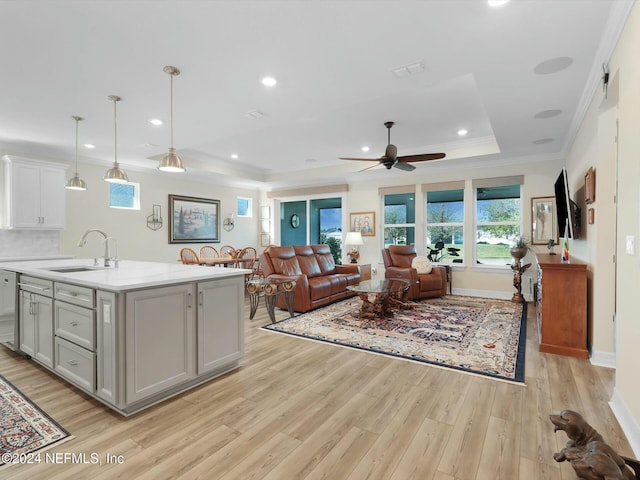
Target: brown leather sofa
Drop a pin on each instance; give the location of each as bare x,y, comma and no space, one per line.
319,281
397,263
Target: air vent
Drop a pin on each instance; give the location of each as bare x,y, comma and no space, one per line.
408,70
255,114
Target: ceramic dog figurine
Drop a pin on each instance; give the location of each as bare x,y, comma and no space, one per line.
597,466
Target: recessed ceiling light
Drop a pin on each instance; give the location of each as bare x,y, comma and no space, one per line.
542,141
269,81
310,160
365,149
462,132
553,65
547,114
156,121
254,114
497,3
89,145
234,156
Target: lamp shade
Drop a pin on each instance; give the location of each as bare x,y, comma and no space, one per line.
353,238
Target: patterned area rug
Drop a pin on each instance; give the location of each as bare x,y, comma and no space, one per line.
24,428
476,335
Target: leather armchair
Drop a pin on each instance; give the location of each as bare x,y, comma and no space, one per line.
397,263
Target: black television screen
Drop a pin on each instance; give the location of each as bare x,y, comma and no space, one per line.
568,213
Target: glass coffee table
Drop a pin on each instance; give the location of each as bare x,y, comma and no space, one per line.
380,297
270,289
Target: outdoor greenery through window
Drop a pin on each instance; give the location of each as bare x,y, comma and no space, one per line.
124,195
399,219
445,226
497,222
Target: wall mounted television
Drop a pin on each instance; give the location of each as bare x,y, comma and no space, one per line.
568,212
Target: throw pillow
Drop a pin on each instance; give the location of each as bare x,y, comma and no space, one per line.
421,264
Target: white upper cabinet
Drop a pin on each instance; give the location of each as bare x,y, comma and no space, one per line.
34,194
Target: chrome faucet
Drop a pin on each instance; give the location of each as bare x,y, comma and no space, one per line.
83,241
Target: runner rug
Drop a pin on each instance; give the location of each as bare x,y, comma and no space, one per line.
476,335
24,428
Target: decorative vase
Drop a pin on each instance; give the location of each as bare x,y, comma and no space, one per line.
519,252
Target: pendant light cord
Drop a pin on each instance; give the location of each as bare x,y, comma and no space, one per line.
77,121
171,97
115,133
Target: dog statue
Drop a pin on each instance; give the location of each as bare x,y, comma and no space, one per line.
577,429
586,451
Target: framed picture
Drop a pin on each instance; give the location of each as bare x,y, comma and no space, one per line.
363,222
544,226
194,220
590,186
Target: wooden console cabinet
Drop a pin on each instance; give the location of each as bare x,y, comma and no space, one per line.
561,306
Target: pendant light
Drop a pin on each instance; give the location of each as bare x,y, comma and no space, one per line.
115,174
171,162
75,182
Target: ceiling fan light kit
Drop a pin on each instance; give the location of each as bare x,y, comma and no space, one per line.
391,158
171,162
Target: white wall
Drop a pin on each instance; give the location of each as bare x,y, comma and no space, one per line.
90,209
595,146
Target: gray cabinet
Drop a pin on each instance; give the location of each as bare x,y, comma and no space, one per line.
36,319
36,327
220,323
160,340
107,347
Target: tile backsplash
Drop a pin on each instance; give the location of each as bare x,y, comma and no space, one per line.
23,243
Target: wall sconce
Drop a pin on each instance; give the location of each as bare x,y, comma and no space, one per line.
228,223
154,221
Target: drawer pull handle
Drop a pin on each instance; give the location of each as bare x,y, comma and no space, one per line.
74,324
72,362
36,287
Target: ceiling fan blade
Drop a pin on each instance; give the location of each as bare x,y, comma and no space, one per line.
407,167
422,157
372,166
360,159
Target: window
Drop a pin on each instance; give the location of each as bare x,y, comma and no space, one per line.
445,225
498,223
245,207
399,219
124,195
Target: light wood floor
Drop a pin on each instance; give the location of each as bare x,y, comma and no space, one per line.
298,409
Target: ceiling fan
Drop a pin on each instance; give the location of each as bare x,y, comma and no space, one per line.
391,158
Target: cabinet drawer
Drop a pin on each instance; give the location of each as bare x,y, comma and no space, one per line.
36,285
73,294
76,324
76,364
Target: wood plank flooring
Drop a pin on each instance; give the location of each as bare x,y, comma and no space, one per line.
298,409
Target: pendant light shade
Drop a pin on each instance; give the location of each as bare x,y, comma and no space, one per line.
115,174
75,182
171,162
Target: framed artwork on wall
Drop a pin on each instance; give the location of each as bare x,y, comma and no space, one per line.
363,222
194,220
544,226
590,186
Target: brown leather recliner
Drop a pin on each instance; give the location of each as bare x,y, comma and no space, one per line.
397,263
319,281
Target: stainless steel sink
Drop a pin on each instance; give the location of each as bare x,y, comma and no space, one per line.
73,269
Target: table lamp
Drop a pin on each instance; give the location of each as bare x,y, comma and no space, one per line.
354,239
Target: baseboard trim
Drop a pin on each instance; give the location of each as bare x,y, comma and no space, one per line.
603,359
629,424
483,293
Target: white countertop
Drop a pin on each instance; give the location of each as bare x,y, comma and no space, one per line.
130,275
23,258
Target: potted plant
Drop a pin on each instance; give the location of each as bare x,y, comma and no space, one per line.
520,247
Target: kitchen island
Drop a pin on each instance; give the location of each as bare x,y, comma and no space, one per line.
134,335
